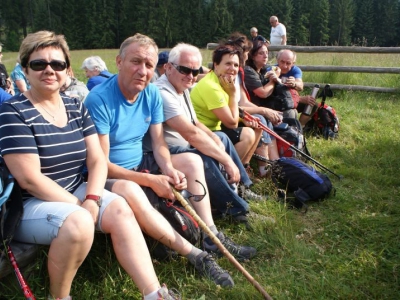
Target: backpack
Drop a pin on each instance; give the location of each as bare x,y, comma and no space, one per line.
11,209
326,122
3,80
301,179
180,220
282,98
291,131
175,213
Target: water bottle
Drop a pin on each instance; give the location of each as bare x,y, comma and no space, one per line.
307,110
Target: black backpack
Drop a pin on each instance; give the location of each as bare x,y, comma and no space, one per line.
301,179
175,213
291,131
11,207
282,98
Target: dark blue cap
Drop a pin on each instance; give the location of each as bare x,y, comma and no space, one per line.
163,58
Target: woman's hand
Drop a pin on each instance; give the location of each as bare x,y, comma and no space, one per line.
93,209
252,123
275,117
273,76
228,83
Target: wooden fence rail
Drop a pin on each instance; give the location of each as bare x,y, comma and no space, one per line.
342,49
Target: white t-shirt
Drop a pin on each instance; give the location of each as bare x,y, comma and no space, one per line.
277,33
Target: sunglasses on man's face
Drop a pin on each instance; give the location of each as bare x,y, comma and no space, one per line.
185,70
40,65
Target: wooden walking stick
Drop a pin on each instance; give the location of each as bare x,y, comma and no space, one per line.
217,242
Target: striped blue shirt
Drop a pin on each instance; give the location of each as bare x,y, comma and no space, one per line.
62,151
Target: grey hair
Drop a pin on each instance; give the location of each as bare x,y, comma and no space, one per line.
286,50
253,29
176,52
139,38
275,18
94,63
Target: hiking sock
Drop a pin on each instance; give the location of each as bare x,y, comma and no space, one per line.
263,171
152,296
50,297
191,256
213,229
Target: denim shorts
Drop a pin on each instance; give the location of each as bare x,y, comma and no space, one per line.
42,220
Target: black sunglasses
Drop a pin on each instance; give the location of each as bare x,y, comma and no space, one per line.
40,65
189,196
185,70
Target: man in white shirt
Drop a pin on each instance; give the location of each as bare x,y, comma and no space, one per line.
278,32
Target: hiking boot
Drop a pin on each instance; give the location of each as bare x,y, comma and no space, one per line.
165,294
242,219
239,252
208,267
247,194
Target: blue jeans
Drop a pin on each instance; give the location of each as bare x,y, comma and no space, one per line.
265,138
230,149
222,195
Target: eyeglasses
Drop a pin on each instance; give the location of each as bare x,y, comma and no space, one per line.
40,65
196,198
186,71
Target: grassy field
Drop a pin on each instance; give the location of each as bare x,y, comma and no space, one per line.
347,247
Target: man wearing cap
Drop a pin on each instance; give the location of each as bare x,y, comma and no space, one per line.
160,69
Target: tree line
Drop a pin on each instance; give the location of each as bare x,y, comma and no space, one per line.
99,24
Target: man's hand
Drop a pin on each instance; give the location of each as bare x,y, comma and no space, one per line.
309,100
232,171
93,209
161,184
291,82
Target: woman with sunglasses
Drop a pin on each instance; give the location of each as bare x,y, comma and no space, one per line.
46,139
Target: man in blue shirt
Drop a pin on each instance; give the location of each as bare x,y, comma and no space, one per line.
123,109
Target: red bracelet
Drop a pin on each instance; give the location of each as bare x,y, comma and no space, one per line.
95,198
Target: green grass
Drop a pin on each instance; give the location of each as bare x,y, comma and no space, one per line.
347,247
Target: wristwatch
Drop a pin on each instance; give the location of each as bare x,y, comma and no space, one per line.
95,198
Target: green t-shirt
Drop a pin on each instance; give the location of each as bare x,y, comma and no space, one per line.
206,96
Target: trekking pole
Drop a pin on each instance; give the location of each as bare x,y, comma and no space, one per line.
218,243
21,280
246,116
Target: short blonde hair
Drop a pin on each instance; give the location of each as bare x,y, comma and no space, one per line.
139,38
40,40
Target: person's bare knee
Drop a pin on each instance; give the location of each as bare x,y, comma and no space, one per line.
133,194
187,161
248,136
77,228
118,213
